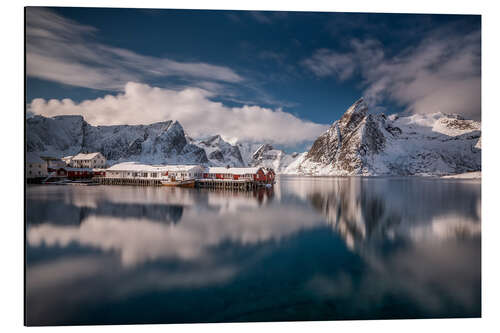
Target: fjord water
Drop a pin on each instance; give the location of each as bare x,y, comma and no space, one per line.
308,249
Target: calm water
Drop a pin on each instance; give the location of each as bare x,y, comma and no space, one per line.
310,249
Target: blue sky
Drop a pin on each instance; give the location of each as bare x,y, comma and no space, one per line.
293,72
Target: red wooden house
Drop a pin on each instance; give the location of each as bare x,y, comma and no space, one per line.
270,175
255,174
79,173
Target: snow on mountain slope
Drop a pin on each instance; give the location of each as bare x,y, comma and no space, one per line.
268,157
162,142
360,143
247,149
57,135
294,167
220,152
158,143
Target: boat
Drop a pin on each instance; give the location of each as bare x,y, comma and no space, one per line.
180,183
59,182
83,183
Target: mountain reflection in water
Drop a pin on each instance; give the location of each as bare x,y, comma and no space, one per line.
309,249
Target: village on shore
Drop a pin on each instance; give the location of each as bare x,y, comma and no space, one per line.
92,169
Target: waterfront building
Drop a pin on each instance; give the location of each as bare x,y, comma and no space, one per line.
253,174
133,170
53,163
35,166
88,160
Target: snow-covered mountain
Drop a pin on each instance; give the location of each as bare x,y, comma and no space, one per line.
158,143
266,156
162,142
220,152
360,143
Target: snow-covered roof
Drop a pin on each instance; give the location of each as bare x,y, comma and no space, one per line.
34,158
67,158
181,167
233,171
82,156
134,166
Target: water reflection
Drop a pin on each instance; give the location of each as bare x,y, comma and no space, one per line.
311,248
373,209
419,237
142,232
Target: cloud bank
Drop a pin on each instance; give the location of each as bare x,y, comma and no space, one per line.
192,107
62,50
442,73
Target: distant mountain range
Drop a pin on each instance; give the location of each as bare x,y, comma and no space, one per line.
359,143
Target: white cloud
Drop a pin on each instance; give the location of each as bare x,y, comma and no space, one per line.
64,51
325,62
443,73
192,107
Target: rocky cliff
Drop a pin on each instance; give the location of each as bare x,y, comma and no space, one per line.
360,143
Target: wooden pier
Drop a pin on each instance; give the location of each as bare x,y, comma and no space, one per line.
227,184
128,181
222,184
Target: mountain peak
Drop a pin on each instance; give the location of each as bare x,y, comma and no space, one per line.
212,140
358,109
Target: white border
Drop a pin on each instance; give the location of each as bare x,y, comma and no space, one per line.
11,302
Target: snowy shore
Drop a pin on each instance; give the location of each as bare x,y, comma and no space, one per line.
467,175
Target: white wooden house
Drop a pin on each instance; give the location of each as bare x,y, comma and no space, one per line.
132,170
89,160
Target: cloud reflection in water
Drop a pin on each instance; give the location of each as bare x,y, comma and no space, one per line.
414,240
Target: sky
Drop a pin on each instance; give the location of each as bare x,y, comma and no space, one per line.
277,77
